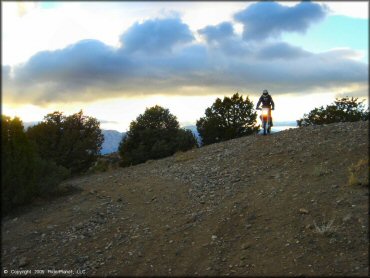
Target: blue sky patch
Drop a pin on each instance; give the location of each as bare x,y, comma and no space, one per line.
48,5
334,32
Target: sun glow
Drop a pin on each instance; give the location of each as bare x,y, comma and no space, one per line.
292,107
27,113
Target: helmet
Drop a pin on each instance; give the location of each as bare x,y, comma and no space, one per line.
265,92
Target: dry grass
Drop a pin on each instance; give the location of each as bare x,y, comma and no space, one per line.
325,227
352,179
321,170
103,164
184,156
359,173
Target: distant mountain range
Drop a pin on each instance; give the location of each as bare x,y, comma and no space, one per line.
29,124
193,129
286,123
112,138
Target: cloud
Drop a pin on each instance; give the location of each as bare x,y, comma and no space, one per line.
281,50
343,53
83,67
219,32
357,92
24,8
5,73
357,9
107,121
157,35
269,19
90,59
222,37
149,63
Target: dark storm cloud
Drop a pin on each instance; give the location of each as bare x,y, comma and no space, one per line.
269,19
158,35
154,58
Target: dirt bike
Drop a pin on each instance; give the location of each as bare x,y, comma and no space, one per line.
265,118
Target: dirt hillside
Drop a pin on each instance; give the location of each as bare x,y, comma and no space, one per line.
292,203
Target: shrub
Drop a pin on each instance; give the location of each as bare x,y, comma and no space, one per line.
154,134
321,170
24,174
325,227
18,167
342,110
184,156
73,142
227,119
50,175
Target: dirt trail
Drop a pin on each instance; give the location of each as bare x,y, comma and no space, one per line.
250,206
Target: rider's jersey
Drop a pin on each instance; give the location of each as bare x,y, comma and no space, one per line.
266,101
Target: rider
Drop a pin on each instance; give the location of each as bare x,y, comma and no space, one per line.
267,102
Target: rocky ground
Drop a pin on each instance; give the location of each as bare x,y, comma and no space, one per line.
292,203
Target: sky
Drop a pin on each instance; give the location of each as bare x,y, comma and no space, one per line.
115,59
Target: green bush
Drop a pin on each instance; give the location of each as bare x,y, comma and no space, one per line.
342,110
227,119
50,175
24,174
73,142
18,167
154,134
185,140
